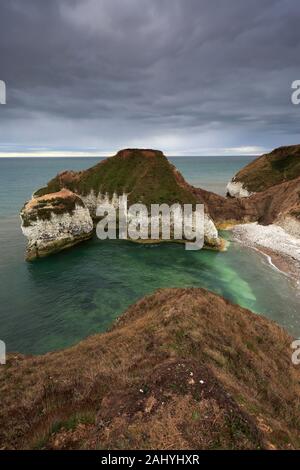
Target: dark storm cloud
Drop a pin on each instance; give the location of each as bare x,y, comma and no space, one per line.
185,75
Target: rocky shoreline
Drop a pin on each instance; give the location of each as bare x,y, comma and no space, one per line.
282,248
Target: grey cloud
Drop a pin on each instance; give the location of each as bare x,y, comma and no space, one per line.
111,73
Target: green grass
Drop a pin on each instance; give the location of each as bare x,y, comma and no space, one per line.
278,166
68,424
147,179
72,422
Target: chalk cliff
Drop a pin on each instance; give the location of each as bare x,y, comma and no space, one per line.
144,176
54,222
265,191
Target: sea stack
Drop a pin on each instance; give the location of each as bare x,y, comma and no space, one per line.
62,213
54,222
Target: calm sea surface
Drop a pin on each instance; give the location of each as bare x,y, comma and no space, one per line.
57,301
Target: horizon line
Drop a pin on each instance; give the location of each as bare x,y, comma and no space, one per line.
111,155
204,152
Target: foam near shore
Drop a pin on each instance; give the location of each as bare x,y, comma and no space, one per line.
273,241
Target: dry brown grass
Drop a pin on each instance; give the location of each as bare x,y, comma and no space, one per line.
62,194
182,368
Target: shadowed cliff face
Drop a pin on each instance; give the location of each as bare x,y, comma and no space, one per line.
182,368
266,207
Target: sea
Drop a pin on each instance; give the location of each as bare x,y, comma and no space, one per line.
55,302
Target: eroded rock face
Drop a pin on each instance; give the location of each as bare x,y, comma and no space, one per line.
92,200
236,189
55,222
211,235
144,176
279,204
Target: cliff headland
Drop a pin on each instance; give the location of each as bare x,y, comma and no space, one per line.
182,368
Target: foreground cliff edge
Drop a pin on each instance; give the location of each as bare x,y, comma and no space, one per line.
182,368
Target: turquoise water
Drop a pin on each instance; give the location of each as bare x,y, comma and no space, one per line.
54,302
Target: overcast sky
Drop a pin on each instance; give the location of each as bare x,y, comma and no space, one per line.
190,77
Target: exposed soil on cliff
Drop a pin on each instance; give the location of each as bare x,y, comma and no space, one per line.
61,202
182,368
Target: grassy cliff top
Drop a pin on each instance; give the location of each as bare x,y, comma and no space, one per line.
182,368
145,175
282,164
